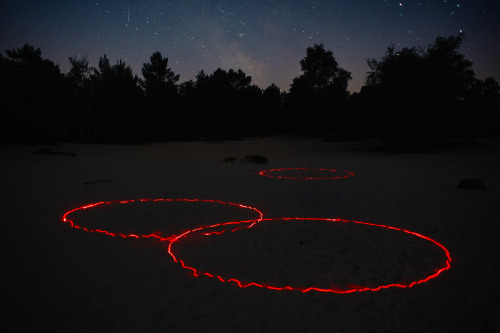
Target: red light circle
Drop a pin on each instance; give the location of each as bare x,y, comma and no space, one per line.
275,173
209,230
65,218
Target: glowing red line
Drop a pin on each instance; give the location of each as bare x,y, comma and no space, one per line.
268,173
214,233
312,288
65,218
250,223
237,282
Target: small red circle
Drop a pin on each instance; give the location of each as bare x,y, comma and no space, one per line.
307,174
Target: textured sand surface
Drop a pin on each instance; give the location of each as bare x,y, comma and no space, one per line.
65,279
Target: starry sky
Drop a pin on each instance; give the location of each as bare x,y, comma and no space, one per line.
265,38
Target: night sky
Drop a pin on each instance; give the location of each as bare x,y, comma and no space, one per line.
265,38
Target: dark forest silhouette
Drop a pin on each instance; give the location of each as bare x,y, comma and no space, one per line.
413,95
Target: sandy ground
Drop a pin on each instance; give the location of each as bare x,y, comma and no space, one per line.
68,280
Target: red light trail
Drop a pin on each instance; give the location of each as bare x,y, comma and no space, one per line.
221,228
238,282
66,219
275,173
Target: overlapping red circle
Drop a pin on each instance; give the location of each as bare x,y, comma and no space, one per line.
158,236
233,226
238,281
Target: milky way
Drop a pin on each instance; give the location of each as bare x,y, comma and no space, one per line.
265,38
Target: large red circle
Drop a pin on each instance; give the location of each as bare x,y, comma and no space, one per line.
238,281
157,235
275,173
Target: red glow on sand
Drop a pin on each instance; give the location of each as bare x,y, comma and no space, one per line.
219,228
66,219
275,173
196,272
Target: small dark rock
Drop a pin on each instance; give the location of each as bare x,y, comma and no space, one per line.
229,159
471,184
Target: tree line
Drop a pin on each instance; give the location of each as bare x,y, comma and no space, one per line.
410,95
